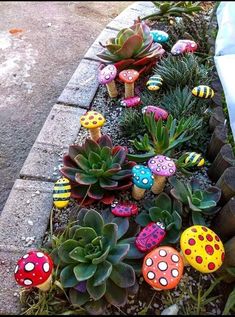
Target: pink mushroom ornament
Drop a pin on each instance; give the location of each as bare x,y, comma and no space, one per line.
106,77
161,167
34,269
157,111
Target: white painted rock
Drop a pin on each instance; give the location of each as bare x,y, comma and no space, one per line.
171,310
159,36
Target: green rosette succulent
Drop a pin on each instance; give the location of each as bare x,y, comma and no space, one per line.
97,170
97,260
165,210
132,47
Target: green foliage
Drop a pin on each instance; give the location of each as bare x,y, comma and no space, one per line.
171,8
230,304
183,71
165,210
132,123
98,251
199,202
97,169
165,136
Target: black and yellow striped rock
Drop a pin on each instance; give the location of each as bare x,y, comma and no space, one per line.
195,158
61,192
154,82
203,91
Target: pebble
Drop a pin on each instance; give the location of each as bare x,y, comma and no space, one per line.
38,192
155,305
28,202
30,222
23,238
171,310
2,262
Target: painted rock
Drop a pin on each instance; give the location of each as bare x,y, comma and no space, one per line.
158,112
150,236
159,36
203,91
154,83
195,158
61,192
131,102
184,46
124,209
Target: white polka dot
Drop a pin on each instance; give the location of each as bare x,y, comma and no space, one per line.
46,267
163,281
16,268
162,253
152,162
130,78
175,273
164,167
158,169
28,282
142,172
162,266
149,262
25,256
107,77
40,255
145,181
167,159
175,258
171,170
29,267
151,275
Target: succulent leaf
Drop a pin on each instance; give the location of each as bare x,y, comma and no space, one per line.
67,277
118,253
84,271
77,298
102,273
123,275
96,292
115,295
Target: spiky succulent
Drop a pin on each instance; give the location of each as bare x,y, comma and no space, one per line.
133,47
200,202
94,259
165,210
96,170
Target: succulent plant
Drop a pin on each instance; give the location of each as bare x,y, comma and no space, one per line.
200,202
94,258
133,47
165,210
96,170
164,136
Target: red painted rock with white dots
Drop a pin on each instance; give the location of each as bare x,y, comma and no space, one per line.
34,269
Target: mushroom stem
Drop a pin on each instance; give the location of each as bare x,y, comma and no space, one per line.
112,89
46,285
129,90
95,133
159,184
137,193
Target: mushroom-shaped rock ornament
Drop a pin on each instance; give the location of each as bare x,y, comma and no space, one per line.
154,83
93,121
163,268
203,91
130,102
142,180
129,76
150,236
157,111
34,269
202,249
61,192
159,36
106,77
124,209
183,46
162,167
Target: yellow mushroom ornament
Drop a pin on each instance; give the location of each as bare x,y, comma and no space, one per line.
93,121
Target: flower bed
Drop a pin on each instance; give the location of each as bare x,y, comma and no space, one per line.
108,275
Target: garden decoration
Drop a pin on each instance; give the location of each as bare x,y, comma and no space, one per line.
189,160
131,102
159,36
142,180
132,47
150,236
163,268
162,167
157,111
61,192
124,208
34,269
183,46
129,76
202,249
203,91
165,210
93,121
154,83
195,158
96,170
107,77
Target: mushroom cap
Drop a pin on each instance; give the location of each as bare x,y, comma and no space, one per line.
107,74
92,119
33,269
161,165
158,112
202,248
129,76
163,268
142,176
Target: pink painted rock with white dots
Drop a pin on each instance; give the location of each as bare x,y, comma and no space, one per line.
157,111
124,209
184,46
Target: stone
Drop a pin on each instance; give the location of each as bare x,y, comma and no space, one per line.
159,36
154,83
171,310
61,193
158,112
203,91
183,46
124,209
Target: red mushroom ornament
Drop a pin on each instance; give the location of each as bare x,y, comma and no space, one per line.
34,269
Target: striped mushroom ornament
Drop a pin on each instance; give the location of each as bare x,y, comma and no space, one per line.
142,180
163,268
93,121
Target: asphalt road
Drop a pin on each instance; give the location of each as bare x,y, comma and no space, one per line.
41,44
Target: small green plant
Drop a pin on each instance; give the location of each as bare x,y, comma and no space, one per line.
185,166
132,123
230,304
164,136
96,170
166,211
197,201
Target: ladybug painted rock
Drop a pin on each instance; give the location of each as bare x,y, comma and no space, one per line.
150,236
157,111
124,209
183,46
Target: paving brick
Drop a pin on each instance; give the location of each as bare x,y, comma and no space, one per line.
145,4
123,20
144,8
83,85
26,213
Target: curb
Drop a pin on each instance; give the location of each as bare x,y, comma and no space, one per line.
33,191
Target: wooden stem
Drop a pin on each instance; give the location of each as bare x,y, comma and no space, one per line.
159,184
216,118
137,193
112,89
229,261
223,160
95,133
218,139
227,184
129,90
46,285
